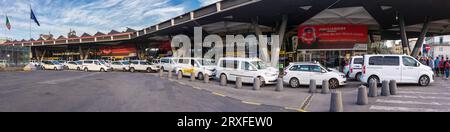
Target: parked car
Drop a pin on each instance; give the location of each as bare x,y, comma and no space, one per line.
94,65
246,68
297,74
120,66
74,65
355,68
35,63
200,67
142,65
63,63
167,63
401,68
51,65
4,63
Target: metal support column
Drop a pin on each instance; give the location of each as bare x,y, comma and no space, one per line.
405,41
421,38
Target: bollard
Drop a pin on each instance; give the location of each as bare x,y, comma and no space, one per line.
206,78
223,80
180,75
336,104
373,89
238,83
256,84
161,73
170,74
280,85
312,86
363,99
385,88
325,87
192,76
393,87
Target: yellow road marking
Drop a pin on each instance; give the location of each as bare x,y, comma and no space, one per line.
251,103
197,88
219,94
296,109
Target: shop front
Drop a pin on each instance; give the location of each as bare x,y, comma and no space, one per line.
331,45
117,52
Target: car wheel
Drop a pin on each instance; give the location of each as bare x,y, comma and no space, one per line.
86,69
358,77
334,83
263,82
424,81
373,79
132,70
200,76
78,68
55,68
102,70
124,69
294,83
149,70
162,68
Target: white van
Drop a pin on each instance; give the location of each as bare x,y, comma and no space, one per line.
355,68
297,74
199,66
402,68
247,69
74,65
52,65
94,65
142,65
167,63
120,66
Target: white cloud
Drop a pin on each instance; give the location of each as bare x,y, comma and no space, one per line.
58,16
207,2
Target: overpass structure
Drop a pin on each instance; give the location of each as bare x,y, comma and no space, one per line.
398,19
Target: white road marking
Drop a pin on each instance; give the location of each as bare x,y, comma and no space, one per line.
56,81
411,92
406,109
420,97
411,102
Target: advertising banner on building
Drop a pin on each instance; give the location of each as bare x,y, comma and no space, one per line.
336,36
118,50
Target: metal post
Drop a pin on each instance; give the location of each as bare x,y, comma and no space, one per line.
405,42
421,38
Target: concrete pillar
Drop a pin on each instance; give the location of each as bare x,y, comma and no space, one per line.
192,76
393,87
223,80
161,73
336,104
325,87
280,85
373,89
238,83
256,84
385,88
170,74
206,78
312,86
363,99
179,75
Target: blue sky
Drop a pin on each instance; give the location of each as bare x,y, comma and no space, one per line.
59,16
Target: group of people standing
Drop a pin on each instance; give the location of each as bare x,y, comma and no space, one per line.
441,66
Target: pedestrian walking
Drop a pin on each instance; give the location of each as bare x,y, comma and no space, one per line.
436,66
447,69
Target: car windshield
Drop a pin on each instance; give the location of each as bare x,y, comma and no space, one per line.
78,63
102,62
206,62
56,63
259,64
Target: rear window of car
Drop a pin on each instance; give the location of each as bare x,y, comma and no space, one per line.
384,60
134,62
88,62
358,61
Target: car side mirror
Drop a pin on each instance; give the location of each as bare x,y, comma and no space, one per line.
323,71
417,64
